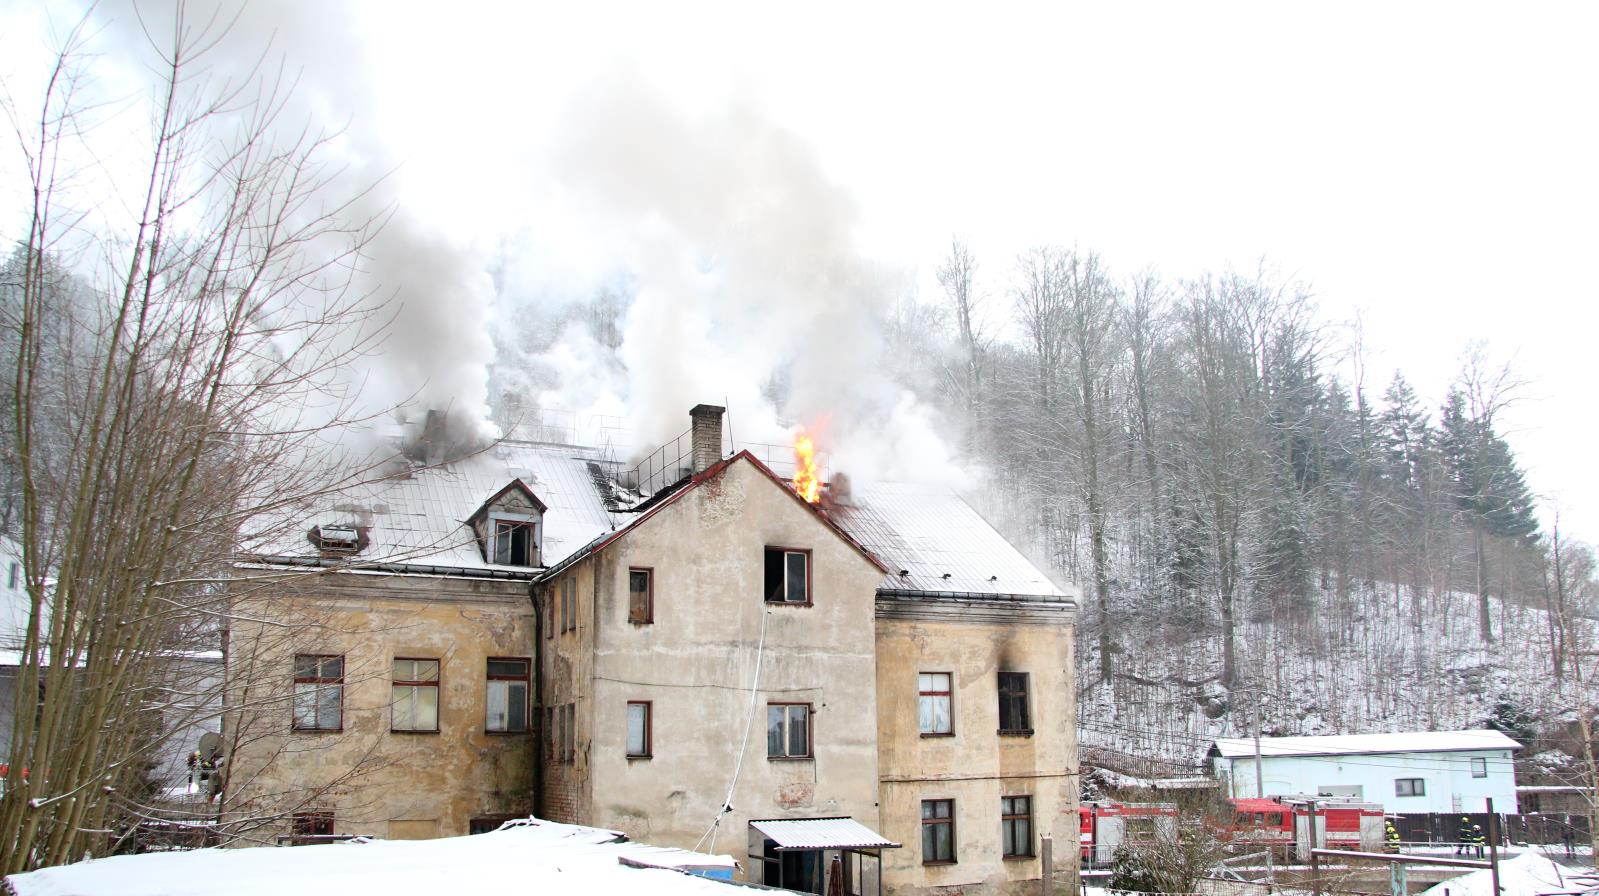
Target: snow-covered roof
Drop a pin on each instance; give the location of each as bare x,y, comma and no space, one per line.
942,544
542,857
1348,744
419,518
821,833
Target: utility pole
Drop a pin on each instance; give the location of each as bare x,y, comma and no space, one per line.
1493,844
1260,792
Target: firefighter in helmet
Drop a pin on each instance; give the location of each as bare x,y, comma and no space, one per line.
1479,839
1391,835
1465,838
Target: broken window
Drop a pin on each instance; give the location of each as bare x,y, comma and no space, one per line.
638,729
933,712
640,595
513,543
1016,826
318,692
414,700
506,704
1013,717
938,832
788,730
788,576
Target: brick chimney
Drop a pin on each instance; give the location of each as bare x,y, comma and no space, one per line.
707,436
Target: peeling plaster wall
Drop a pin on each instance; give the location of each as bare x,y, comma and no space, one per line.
976,766
388,784
696,663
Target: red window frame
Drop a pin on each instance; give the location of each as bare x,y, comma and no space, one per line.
526,678
318,681
949,695
948,818
649,729
648,614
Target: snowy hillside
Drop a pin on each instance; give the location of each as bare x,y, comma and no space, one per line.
1380,661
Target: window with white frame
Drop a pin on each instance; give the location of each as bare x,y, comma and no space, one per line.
788,730
934,714
414,698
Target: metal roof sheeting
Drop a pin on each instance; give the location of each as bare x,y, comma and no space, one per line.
939,540
822,833
1351,744
420,518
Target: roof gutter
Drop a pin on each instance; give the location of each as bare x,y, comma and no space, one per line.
400,568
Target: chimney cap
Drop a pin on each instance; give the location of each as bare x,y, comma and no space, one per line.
706,409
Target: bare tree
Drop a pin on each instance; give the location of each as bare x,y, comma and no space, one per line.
957,275
155,432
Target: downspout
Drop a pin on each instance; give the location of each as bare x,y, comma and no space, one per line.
539,715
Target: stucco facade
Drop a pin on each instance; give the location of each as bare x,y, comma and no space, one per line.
374,780
976,765
695,665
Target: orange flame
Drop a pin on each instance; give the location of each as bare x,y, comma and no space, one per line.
806,482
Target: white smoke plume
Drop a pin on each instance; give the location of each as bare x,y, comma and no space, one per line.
750,283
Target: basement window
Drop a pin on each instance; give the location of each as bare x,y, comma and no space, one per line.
310,828
788,576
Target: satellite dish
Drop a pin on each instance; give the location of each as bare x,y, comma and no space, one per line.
210,746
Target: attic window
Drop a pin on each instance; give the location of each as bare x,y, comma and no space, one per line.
337,539
513,543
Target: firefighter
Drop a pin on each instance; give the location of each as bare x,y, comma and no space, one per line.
1478,839
1464,847
1392,836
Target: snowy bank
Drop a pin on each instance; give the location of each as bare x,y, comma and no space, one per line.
523,857
1526,875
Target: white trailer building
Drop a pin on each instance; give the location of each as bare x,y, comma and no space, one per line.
1407,772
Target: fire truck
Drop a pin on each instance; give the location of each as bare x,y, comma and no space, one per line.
1105,825
1283,824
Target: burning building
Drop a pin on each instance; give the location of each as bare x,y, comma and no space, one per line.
866,684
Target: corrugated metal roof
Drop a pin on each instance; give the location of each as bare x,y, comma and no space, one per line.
821,833
1346,744
420,518
942,544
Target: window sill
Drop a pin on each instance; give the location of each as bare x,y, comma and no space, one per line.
641,622
413,731
940,862
1019,858
523,732
639,756
1015,732
790,758
316,730
789,603
937,734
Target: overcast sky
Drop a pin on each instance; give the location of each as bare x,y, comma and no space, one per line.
1427,167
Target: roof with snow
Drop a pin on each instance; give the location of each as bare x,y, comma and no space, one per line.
1352,744
522,857
821,833
933,541
419,517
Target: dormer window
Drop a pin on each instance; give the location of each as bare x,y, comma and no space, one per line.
510,526
513,543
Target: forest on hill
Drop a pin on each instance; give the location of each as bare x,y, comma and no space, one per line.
1245,522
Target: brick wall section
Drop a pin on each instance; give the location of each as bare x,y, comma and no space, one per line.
707,436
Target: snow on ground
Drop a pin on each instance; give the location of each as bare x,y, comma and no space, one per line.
1526,875
541,857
